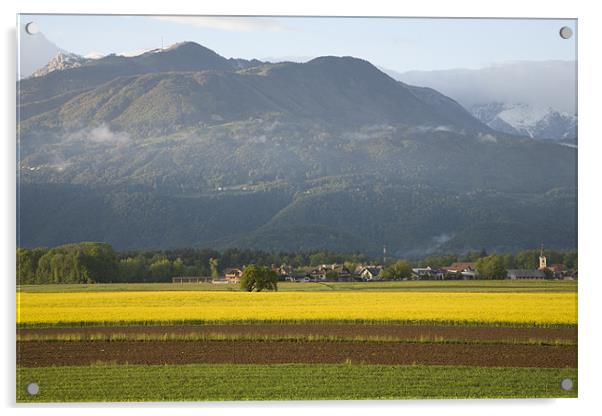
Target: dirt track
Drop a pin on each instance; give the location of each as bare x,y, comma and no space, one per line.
42,354
477,333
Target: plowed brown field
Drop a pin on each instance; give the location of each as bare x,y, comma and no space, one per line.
403,332
57,353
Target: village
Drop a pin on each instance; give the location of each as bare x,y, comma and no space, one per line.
336,272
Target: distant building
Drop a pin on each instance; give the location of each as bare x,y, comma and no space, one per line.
543,262
342,273
560,271
517,274
233,275
284,271
316,275
462,270
370,272
557,268
459,267
298,277
427,273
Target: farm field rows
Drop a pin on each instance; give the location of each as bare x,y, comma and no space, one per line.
385,332
487,286
214,382
180,307
58,353
335,344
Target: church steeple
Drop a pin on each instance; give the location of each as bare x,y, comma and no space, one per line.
543,263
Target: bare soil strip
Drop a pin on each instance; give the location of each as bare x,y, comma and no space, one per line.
403,332
44,354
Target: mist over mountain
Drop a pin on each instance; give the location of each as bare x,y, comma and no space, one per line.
182,147
541,84
531,98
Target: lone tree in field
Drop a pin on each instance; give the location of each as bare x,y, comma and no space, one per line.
256,279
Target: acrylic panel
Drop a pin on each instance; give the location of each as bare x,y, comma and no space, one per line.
230,208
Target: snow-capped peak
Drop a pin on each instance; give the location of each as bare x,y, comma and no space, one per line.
94,55
62,61
526,120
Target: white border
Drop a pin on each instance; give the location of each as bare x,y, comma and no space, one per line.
590,95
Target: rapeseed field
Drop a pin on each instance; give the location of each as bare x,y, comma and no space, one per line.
166,307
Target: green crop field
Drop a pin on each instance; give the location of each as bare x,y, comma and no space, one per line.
487,339
287,382
414,285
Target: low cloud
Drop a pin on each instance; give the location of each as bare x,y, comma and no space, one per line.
429,129
101,134
94,55
443,128
538,83
287,58
442,238
135,52
487,138
435,248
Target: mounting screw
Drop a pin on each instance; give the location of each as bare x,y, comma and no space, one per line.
566,384
33,389
566,32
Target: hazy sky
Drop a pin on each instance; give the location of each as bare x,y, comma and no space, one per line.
394,43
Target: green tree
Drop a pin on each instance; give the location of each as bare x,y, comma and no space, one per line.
528,259
255,279
401,269
491,267
160,270
509,261
97,262
350,265
213,263
132,269
570,260
27,264
178,267
319,258
331,275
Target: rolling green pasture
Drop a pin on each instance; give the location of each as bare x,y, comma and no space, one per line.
219,382
413,285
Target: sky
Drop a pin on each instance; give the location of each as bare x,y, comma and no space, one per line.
399,44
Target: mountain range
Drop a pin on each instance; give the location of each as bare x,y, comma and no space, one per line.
60,62
530,98
525,120
182,147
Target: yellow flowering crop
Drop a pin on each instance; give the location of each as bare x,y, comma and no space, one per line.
166,306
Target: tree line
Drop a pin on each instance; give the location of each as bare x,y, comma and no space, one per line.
90,262
526,259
